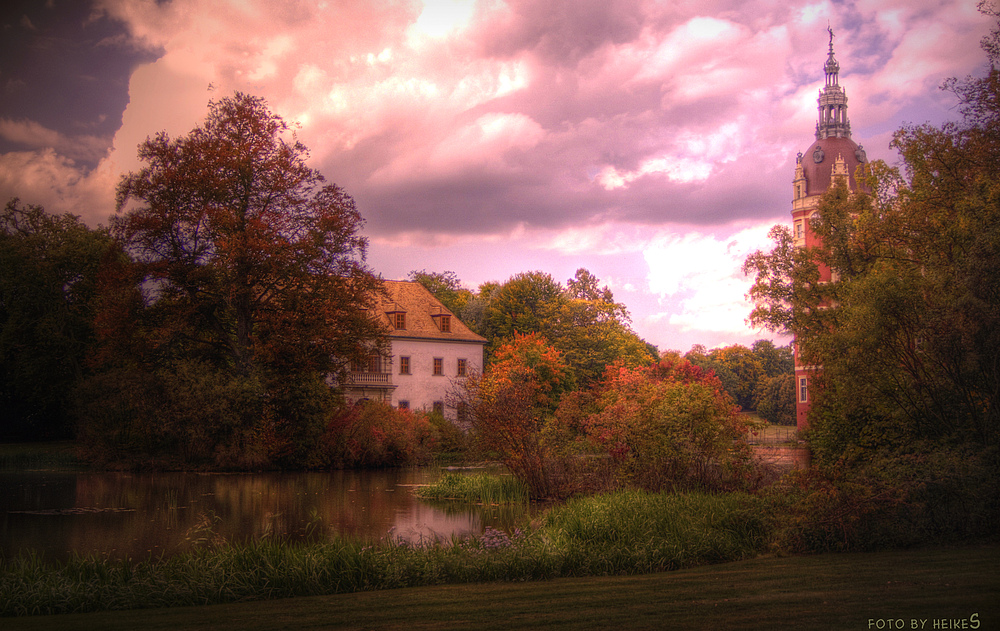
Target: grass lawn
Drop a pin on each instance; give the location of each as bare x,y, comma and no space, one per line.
940,586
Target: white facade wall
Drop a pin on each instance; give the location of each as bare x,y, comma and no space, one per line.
421,388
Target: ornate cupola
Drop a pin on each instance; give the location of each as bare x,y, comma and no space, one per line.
833,122
814,169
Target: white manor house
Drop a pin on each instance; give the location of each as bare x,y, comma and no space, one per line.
429,350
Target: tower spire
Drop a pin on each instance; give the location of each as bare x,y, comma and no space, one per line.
833,121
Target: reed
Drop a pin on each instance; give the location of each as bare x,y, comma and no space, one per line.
481,488
636,531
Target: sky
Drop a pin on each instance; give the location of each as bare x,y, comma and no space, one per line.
650,142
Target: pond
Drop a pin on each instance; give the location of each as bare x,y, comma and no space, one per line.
137,515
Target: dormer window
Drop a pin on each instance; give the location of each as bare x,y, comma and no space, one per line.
442,320
399,320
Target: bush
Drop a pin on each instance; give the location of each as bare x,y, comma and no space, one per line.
187,415
670,426
924,494
374,434
510,405
449,441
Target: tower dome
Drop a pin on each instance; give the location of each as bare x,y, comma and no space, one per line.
833,136
820,159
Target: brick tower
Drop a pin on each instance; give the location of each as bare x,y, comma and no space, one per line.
832,157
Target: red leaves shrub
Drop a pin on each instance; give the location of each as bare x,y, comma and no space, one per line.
374,434
670,424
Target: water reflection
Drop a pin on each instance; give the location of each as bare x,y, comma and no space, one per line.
136,515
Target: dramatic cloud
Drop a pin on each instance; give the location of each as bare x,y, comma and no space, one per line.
651,142
31,134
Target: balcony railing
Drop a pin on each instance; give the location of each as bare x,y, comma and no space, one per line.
383,379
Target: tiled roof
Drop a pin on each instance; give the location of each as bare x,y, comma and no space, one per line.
423,314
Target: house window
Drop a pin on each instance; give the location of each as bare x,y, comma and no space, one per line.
799,230
404,405
463,412
404,365
803,389
461,368
375,363
438,366
399,321
446,324
439,407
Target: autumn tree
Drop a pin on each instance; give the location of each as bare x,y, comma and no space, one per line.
48,278
756,377
510,404
250,266
908,332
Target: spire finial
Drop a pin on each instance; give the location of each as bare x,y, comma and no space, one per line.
832,100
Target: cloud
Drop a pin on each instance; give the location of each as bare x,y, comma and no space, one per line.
704,272
28,133
475,118
58,184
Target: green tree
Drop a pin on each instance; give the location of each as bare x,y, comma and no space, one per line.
745,372
775,399
581,320
740,370
48,277
585,286
248,264
774,360
527,303
446,287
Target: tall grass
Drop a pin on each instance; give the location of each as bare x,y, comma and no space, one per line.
624,533
635,531
481,488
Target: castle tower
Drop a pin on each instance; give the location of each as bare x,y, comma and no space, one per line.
833,156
